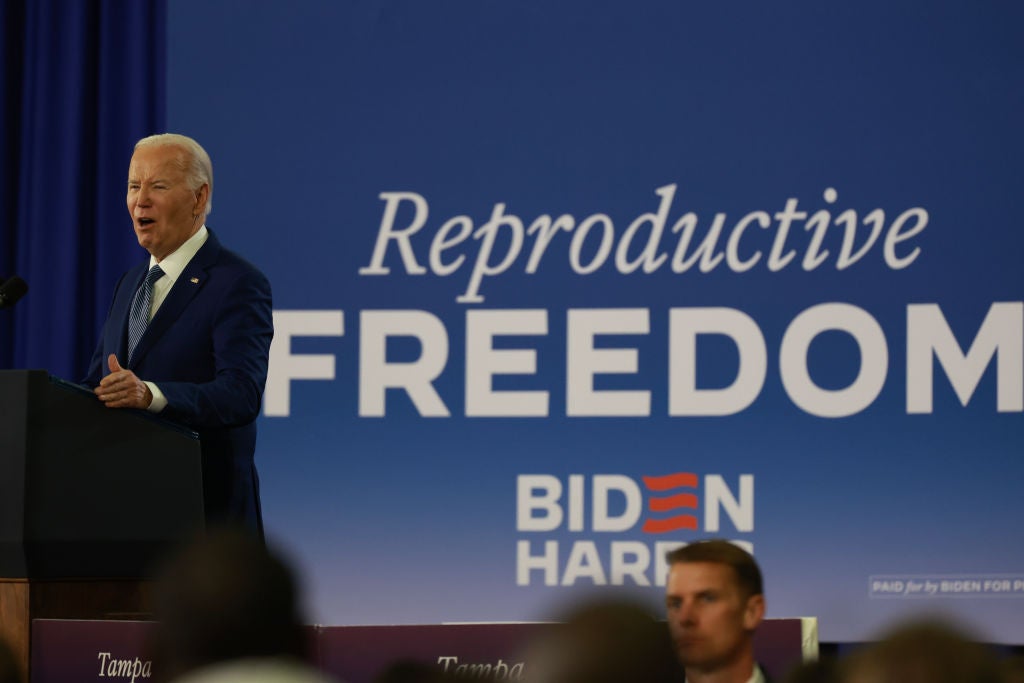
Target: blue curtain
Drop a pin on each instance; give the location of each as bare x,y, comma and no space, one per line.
82,81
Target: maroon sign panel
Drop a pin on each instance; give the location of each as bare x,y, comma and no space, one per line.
357,654
109,651
68,651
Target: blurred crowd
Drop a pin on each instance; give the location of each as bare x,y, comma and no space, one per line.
227,610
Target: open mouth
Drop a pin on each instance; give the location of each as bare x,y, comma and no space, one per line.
143,222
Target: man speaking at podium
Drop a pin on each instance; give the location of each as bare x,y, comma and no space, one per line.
188,333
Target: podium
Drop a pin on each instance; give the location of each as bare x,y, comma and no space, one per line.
90,499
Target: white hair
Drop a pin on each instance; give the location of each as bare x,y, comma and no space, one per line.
197,167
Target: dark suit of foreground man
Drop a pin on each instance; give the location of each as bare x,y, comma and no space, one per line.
202,359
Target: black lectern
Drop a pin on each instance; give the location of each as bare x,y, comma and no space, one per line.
89,498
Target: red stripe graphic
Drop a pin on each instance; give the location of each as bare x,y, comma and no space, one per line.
660,526
678,480
681,500
671,481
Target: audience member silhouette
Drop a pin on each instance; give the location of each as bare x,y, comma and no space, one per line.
604,642
1012,669
825,670
227,609
923,652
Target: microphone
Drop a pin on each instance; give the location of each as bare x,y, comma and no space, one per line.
12,290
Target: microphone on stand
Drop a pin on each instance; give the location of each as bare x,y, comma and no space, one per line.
11,290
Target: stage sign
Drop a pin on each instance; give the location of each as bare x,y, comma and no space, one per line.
71,651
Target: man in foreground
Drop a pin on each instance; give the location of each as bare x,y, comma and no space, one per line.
715,602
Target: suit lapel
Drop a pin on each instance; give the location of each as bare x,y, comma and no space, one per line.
185,288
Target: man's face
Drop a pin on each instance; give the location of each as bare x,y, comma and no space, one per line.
164,209
711,623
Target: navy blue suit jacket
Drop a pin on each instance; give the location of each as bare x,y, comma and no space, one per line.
207,350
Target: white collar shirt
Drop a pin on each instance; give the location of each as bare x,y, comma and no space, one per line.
173,265
757,676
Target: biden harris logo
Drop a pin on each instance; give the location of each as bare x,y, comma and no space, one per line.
615,529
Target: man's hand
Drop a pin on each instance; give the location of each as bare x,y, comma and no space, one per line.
122,389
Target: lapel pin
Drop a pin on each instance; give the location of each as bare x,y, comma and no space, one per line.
194,281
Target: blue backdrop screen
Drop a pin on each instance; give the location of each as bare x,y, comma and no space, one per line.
558,286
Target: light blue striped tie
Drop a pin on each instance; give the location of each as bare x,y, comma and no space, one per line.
139,317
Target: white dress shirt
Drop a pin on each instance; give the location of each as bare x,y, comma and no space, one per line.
756,677
173,265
